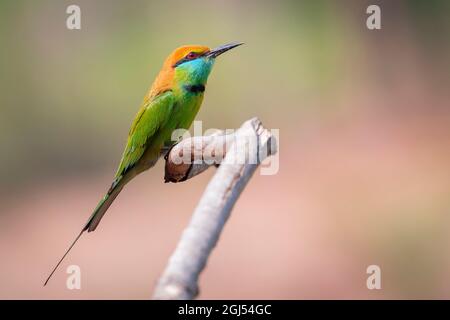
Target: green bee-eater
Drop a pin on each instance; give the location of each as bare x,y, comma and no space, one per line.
171,103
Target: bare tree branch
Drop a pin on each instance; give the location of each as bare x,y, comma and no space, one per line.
238,154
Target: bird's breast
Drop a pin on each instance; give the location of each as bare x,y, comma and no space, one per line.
188,105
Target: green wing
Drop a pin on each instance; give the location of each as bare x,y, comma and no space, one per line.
152,116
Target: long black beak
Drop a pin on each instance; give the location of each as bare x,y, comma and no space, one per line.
214,53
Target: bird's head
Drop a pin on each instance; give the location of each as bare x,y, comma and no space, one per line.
188,65
192,64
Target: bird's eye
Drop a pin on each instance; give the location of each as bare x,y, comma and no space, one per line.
192,55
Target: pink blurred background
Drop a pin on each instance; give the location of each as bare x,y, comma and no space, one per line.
364,123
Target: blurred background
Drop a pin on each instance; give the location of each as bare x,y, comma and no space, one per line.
364,122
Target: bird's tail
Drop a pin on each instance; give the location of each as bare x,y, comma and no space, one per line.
96,216
103,206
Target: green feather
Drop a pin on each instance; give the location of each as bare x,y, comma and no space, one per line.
152,116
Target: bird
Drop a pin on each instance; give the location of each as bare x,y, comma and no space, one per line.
171,103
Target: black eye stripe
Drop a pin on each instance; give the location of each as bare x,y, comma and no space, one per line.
187,58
